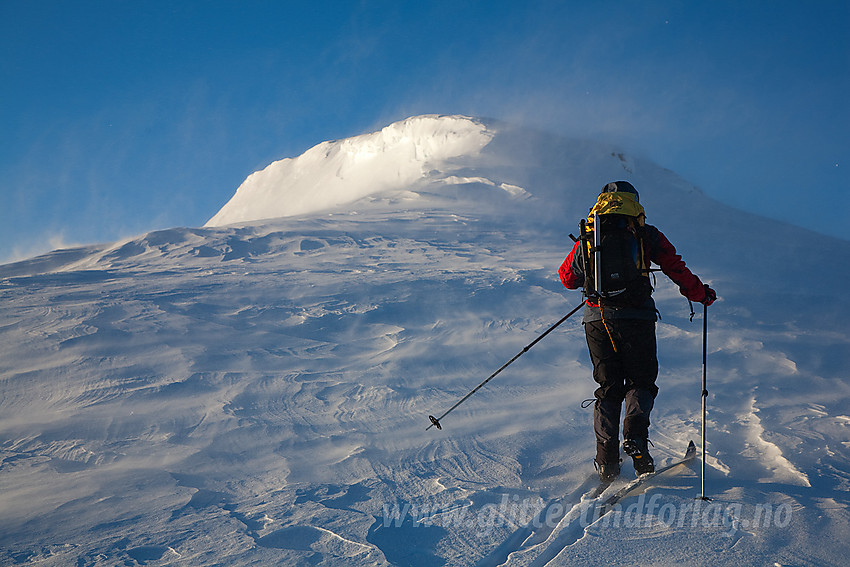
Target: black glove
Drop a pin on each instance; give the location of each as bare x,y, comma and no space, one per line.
710,295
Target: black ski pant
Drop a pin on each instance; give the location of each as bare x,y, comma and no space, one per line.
626,374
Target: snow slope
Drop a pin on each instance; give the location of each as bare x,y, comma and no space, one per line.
341,172
257,393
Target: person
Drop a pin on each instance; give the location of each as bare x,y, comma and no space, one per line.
620,331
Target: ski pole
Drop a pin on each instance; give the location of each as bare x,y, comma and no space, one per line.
704,392
435,421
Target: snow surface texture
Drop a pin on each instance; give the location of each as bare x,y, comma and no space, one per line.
257,394
339,173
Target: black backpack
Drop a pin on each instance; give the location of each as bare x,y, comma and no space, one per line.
615,270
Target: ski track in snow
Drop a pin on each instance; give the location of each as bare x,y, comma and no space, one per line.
258,393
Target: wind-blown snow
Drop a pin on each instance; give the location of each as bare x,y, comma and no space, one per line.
257,393
341,172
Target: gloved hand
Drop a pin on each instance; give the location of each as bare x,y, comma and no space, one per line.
701,294
710,296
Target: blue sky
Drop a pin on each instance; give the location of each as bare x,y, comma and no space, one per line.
120,117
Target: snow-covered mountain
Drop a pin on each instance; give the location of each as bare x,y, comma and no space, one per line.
331,174
256,391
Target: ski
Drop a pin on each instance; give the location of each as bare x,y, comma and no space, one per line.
610,501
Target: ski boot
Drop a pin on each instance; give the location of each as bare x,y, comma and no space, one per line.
607,471
638,451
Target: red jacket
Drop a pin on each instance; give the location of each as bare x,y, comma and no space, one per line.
657,249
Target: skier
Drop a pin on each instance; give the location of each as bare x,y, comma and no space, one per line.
620,326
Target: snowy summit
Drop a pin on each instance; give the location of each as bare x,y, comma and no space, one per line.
337,173
256,391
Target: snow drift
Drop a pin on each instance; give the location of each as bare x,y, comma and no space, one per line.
341,172
258,392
